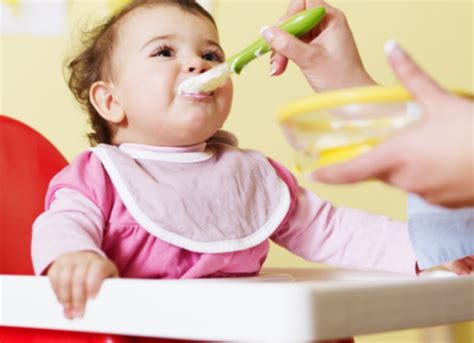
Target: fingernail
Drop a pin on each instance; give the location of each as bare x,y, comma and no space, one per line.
266,33
273,68
69,313
391,46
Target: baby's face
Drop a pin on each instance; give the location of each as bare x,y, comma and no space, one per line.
158,48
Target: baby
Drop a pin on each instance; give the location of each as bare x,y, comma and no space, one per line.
164,193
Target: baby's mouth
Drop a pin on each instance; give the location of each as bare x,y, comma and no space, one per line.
197,95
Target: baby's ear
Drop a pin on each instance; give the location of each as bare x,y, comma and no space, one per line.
104,100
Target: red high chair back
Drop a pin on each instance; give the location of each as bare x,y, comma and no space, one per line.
28,161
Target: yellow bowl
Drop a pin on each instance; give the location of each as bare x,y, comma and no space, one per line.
335,126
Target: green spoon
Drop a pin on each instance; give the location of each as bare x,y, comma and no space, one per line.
207,82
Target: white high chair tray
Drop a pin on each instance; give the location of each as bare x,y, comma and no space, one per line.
281,304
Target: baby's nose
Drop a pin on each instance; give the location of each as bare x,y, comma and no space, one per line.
194,69
197,66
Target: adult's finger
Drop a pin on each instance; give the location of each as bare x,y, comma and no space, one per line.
422,86
278,60
459,267
291,47
294,7
373,164
469,261
278,64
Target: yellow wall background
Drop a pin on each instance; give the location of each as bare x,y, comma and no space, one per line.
439,34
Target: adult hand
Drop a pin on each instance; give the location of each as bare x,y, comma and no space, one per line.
327,55
463,266
435,158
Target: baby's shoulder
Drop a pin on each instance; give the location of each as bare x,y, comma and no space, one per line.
86,167
84,174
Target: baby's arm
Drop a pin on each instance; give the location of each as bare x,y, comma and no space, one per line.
344,237
66,247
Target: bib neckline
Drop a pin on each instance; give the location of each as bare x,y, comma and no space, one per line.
187,154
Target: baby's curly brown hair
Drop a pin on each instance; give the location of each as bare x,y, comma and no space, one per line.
92,64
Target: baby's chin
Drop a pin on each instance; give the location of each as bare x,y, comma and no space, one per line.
189,138
200,105
201,124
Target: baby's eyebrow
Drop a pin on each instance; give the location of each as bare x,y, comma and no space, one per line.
157,38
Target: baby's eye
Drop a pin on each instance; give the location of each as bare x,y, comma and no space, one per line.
213,56
163,51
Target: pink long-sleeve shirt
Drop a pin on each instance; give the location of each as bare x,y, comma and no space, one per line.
96,219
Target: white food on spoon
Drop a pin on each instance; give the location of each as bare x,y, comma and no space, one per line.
206,82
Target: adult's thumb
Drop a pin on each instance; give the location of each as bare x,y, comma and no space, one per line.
289,46
373,165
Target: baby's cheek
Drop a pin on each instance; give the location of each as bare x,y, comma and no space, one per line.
226,95
229,86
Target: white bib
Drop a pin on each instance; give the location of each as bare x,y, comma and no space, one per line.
219,200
